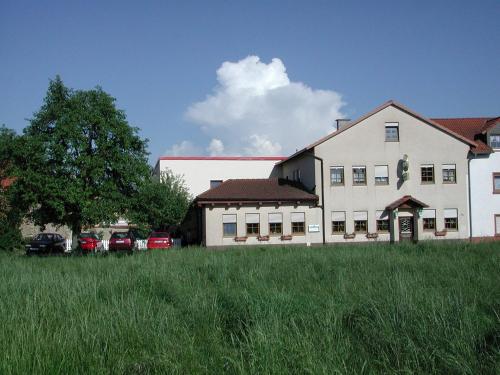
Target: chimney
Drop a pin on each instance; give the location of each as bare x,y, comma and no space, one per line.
341,123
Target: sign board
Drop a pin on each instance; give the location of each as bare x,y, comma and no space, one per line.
313,228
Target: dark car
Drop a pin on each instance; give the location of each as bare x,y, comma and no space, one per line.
46,243
122,241
159,240
88,242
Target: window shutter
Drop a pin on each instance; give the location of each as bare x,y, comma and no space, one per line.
228,219
338,216
381,171
448,166
427,166
381,215
391,124
450,213
428,214
276,218
297,217
360,215
252,218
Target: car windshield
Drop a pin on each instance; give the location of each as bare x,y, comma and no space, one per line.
87,235
120,235
44,237
159,235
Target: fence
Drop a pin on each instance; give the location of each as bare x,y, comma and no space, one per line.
141,244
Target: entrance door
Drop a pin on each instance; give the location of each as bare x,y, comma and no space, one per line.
406,228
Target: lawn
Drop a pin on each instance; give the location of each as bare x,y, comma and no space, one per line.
400,309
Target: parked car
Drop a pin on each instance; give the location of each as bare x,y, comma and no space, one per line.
122,241
88,242
159,240
46,243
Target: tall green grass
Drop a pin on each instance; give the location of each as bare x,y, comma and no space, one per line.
431,308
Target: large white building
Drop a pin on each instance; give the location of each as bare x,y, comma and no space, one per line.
202,173
391,175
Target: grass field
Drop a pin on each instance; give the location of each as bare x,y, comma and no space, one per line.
426,308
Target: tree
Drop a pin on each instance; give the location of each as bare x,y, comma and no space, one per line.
161,202
10,214
81,161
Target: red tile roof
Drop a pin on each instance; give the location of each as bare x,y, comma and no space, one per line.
257,190
471,128
406,200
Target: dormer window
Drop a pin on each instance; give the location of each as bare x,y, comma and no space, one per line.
495,140
392,131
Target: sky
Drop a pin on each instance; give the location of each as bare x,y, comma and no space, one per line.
251,77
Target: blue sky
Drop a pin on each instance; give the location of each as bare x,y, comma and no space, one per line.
336,58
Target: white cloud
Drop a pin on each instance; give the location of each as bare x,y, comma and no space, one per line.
255,109
184,148
216,147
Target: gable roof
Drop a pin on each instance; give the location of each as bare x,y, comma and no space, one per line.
257,190
373,112
471,128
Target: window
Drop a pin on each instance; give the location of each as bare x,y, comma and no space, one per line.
275,224
338,222
495,140
382,221
449,174
360,221
229,225
359,175
296,175
252,221
337,175
429,219
497,225
427,173
451,219
496,183
298,223
391,131
381,175
215,183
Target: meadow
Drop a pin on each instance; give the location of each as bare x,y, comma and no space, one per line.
430,308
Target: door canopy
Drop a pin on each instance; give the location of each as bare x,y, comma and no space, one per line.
406,201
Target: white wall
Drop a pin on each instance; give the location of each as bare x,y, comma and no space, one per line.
197,172
485,204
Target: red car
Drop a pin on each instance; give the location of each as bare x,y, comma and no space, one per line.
124,241
159,240
89,242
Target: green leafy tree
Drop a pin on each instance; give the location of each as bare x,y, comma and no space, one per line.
81,162
10,215
161,202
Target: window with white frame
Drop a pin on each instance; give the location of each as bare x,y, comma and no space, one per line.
338,222
360,221
496,183
298,220
495,140
275,223
391,131
497,225
382,217
381,175
429,219
229,225
359,175
253,224
337,176
449,174
427,173
450,218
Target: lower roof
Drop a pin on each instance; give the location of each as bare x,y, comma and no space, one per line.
257,190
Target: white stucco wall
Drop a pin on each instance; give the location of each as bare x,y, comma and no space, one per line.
197,172
485,204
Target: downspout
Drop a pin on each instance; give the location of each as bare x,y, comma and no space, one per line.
322,197
470,198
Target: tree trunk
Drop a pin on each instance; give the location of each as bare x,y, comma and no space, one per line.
76,228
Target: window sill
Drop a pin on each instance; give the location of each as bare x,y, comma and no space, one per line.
449,183
354,184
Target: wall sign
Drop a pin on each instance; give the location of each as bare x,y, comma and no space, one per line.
313,228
